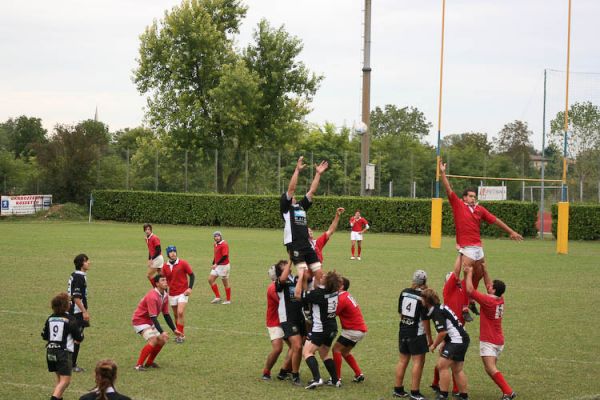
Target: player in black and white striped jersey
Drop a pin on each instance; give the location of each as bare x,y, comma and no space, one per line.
62,332
456,342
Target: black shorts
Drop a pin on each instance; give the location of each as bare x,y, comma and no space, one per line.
307,255
59,361
293,328
413,345
455,351
344,341
322,338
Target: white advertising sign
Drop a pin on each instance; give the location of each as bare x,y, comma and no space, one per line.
370,177
26,204
491,193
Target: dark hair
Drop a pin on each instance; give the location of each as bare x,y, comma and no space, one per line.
332,282
499,286
147,225
345,283
60,303
79,260
279,267
106,375
430,297
157,278
469,189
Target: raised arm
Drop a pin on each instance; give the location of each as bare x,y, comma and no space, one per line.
294,179
315,183
334,223
512,234
286,272
445,178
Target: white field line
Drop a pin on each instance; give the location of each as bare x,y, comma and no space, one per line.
570,361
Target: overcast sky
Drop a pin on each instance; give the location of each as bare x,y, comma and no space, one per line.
60,59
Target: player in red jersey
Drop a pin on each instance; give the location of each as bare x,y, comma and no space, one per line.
276,334
354,330
322,240
359,226
220,267
177,271
467,220
155,258
145,323
491,338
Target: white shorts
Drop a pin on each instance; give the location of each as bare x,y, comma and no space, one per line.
353,335
180,298
314,267
275,332
147,331
356,235
475,253
221,270
487,349
158,262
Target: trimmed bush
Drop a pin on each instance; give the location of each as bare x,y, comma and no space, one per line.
249,211
584,221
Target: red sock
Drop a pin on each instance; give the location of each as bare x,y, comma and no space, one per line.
228,293
153,355
266,372
145,353
352,251
337,360
215,290
454,385
359,250
499,379
353,364
436,377
179,328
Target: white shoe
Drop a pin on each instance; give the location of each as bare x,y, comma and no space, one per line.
358,258
226,302
216,300
353,258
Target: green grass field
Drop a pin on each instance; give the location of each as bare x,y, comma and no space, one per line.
551,324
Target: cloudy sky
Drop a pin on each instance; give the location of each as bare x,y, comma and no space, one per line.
60,59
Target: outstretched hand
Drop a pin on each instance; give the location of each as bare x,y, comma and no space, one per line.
442,167
340,210
322,167
300,164
515,236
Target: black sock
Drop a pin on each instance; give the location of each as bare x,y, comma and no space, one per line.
330,365
444,394
75,354
464,395
295,375
415,392
55,398
314,367
284,371
399,389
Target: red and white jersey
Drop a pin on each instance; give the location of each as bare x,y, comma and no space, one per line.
349,313
467,221
272,306
221,249
152,241
152,304
177,276
490,320
455,296
358,224
319,244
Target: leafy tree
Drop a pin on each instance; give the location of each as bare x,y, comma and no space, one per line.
21,134
17,175
513,140
408,121
467,140
127,139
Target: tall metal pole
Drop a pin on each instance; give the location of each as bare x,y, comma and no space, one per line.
543,161
366,100
566,123
156,172
279,171
186,171
439,132
127,173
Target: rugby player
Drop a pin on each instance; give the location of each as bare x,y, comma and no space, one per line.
177,271
220,268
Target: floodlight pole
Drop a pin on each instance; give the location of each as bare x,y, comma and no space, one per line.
366,101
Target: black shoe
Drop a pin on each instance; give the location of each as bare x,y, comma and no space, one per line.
358,378
473,308
312,384
153,365
284,376
296,381
441,397
435,388
466,316
417,396
266,377
401,393
509,396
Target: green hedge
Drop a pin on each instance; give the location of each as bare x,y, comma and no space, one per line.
384,214
584,221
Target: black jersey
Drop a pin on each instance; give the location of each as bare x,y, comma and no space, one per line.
323,306
110,396
412,313
295,231
290,308
77,288
444,319
60,331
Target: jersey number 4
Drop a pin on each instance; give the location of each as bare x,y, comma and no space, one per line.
409,307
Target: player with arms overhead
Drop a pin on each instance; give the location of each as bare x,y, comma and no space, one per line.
359,226
295,231
319,243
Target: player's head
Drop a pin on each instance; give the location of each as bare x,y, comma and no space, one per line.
81,261
217,236
429,298
499,287
331,281
345,283
276,270
470,196
419,279
160,281
148,228
310,233
172,249
106,375
357,214
60,303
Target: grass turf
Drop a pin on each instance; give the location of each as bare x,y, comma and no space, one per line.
550,323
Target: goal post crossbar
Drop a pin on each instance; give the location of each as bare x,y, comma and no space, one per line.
488,178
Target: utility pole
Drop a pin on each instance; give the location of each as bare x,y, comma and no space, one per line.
366,100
